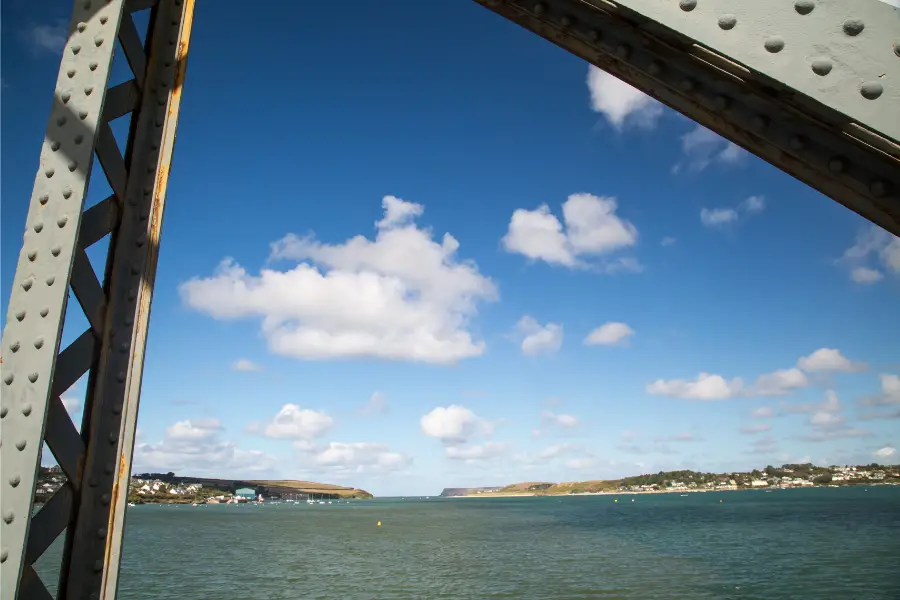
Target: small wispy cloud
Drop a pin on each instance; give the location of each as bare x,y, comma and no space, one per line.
48,38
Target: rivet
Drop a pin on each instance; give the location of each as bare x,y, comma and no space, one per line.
101,533
88,90
804,7
82,115
123,348
26,409
76,49
46,197
128,322
687,84
759,122
853,26
109,469
132,294
39,343
20,445
121,377
98,41
20,315
594,35
135,268
3,412
721,102
98,565
92,482
66,97
44,312
78,139
113,438
93,66
54,146
62,222
67,193
687,5
774,44
38,227
623,51
26,285
81,27
117,409
87,5
566,21
798,142
55,250
70,73
141,241
104,19
14,347
50,280
49,173
61,120
871,90
540,8
72,166
32,255
15,480
727,22
4,554
837,165
8,379
821,66
655,68
8,516
897,48
878,188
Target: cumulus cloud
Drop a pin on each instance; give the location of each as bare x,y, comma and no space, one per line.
885,452
609,334
538,339
829,359
359,457
763,412
702,148
874,253
375,405
756,428
619,103
401,296
292,422
706,386
559,420
194,447
454,424
720,217
778,383
245,365
592,228
827,423
49,39
890,392
486,451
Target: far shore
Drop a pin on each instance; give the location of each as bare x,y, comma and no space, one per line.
645,492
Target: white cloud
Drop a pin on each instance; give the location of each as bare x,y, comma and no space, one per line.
293,422
702,147
778,383
194,448
763,412
592,228
537,338
197,429
403,296
885,452
454,424
73,406
706,386
245,365
555,451
609,334
360,457
476,452
560,420
890,392
375,405
620,103
829,359
866,275
667,241
49,38
876,247
720,217
827,423
757,428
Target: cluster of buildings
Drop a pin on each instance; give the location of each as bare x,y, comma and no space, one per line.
146,487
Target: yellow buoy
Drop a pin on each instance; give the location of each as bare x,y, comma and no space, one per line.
379,523
616,500
719,500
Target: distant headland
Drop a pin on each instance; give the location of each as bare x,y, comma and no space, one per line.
785,476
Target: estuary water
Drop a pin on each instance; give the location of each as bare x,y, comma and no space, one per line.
822,544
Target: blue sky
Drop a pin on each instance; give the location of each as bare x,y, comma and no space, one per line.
403,256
